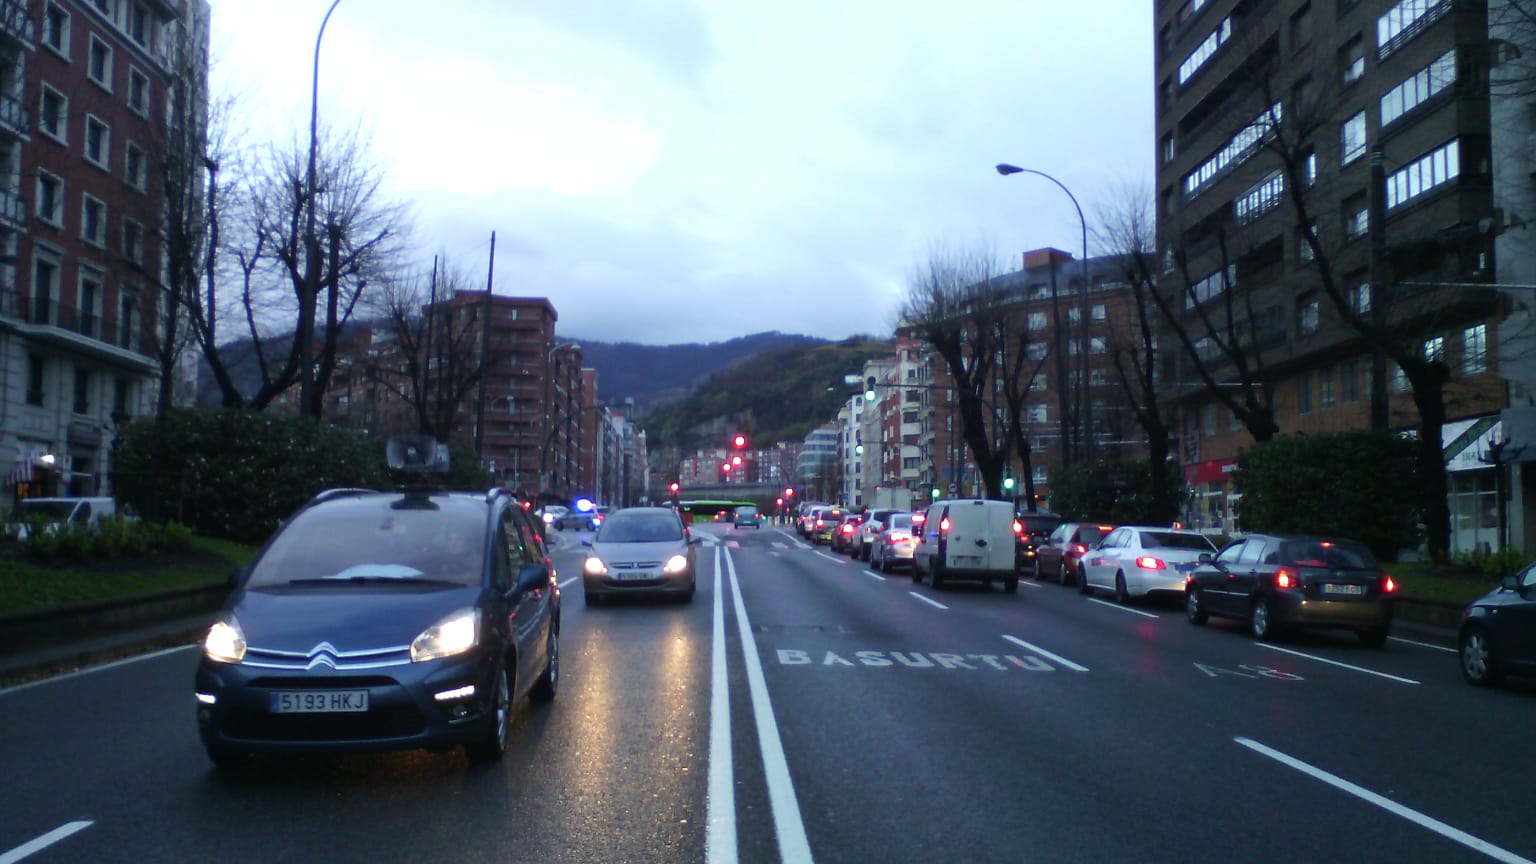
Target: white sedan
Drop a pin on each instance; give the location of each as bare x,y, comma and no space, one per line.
1135,561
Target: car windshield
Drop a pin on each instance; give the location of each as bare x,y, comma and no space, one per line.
367,540
637,527
899,522
1336,554
1171,540
746,512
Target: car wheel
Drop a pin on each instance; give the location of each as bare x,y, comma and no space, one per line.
917,573
1373,637
936,574
544,689
1011,584
493,743
1477,661
1061,572
1260,621
1122,595
1194,608
1082,583
878,563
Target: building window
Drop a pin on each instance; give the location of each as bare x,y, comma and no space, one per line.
93,221
82,391
107,8
138,24
1166,148
56,29
1433,169
89,302
50,199
1208,419
133,242
1037,321
1474,350
1357,216
1325,387
1352,139
128,320
1434,349
99,68
1399,379
1309,167
1035,351
35,370
1304,241
1418,88
120,397
1349,382
1038,413
1235,151
1406,20
45,287
98,143
53,115
1205,50
1260,198
133,165
1040,474
138,91
1097,312
1096,345
1307,318
1352,60
1360,298
1210,286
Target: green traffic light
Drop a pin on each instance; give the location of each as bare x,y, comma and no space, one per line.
1008,483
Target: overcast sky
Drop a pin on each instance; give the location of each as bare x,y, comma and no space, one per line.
673,171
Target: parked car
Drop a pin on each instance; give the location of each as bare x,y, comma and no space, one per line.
1034,528
894,544
967,538
1058,555
640,550
554,515
869,529
1274,581
846,538
1138,561
1498,631
384,621
824,524
748,517
806,517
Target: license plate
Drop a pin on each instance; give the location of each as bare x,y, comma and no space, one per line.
967,559
319,701
1351,590
633,575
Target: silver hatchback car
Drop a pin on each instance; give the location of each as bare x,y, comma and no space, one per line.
640,550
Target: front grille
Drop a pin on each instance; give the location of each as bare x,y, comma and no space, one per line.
310,682
397,722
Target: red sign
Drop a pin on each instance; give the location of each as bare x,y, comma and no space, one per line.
1215,471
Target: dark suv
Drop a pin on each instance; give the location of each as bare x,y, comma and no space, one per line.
384,621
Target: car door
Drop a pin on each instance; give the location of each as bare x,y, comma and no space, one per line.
1214,580
1255,569
1517,621
531,607
1100,563
1048,554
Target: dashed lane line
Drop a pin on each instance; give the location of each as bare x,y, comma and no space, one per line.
1121,608
1428,645
1075,667
1348,666
40,843
929,600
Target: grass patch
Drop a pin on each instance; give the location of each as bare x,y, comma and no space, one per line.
26,586
1423,581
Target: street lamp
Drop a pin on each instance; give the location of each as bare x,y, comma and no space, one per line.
311,245
1005,169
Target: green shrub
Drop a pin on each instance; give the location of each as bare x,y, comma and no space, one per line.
1497,565
1363,485
1118,492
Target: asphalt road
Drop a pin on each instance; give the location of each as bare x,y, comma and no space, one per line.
804,708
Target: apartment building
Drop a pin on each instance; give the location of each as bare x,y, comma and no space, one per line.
1270,117
91,91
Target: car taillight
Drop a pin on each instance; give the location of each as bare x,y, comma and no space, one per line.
899,536
1079,549
1018,528
919,518
1147,562
847,529
1285,577
944,525
1387,585
819,523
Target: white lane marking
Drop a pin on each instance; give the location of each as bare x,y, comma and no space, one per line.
39,844
873,575
929,600
1337,663
1387,804
1044,653
1029,584
65,676
1423,644
720,818
567,583
831,557
1122,608
794,846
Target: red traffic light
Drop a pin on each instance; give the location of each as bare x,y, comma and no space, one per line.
740,441
789,493
726,467
674,487
735,460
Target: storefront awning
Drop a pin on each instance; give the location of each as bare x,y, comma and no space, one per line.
1466,443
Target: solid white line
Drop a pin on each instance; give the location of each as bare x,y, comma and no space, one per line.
1337,663
929,600
794,847
720,806
1387,804
873,575
32,846
566,583
831,557
1122,608
1029,583
1044,653
1423,644
65,676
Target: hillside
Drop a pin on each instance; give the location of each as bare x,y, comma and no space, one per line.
779,395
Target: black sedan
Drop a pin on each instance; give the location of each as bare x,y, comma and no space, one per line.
1498,631
384,621
1278,581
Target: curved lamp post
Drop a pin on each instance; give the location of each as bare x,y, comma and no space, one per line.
1005,169
311,245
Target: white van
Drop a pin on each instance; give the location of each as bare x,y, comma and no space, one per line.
967,538
53,512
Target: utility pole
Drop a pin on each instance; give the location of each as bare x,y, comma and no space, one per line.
1380,413
485,351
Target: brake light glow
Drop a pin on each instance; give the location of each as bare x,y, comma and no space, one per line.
848,529
944,525
1147,562
1387,586
1079,549
898,537
919,518
1285,577
1018,527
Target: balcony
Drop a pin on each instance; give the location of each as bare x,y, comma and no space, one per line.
72,327
17,29
15,119
13,211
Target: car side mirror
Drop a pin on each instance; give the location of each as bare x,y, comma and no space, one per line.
532,577
1511,583
695,541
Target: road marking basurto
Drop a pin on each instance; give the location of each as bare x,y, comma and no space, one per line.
1360,669
40,843
789,827
720,819
1044,653
1387,804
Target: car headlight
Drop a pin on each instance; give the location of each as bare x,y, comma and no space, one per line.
455,634
594,566
676,564
225,642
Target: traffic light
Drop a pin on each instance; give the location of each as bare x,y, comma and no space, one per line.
1007,484
858,449
789,492
726,467
736,460
869,389
673,488
740,442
